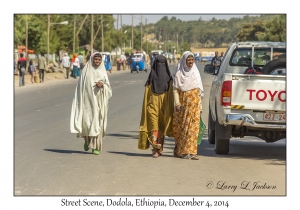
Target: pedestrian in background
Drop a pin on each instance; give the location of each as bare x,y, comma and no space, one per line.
42,67
22,69
75,66
178,57
175,57
222,56
123,61
128,60
90,104
188,89
81,61
216,62
158,107
65,62
31,70
170,57
15,67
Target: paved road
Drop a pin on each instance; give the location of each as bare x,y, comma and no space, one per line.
48,160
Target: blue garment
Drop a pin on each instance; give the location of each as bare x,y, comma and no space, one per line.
75,72
22,79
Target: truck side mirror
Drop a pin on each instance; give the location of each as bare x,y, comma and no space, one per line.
209,69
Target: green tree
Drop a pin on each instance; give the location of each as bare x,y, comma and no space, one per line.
275,29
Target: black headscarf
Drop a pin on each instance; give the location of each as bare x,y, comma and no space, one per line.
160,75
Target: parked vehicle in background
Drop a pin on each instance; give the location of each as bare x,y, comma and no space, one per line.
156,52
243,104
106,56
197,56
138,63
205,59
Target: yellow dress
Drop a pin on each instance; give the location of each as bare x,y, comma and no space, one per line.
157,114
186,122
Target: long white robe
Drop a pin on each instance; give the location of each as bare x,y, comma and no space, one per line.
90,104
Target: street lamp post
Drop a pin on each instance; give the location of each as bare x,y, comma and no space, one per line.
26,40
124,41
147,35
48,34
102,36
132,34
141,33
92,32
177,45
74,30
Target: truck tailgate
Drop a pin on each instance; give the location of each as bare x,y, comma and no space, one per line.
259,92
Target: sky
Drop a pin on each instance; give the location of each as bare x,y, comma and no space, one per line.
153,18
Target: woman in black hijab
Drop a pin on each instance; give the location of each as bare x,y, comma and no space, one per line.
158,106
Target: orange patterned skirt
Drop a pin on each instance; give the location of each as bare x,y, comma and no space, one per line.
186,123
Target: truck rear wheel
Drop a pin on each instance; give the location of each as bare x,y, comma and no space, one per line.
221,138
222,146
211,129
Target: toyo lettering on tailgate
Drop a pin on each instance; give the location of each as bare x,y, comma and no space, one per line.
259,95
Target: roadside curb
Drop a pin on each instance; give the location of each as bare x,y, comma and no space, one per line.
57,76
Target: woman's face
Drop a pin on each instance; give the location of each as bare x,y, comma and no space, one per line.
190,61
97,61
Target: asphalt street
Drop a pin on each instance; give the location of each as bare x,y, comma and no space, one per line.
49,160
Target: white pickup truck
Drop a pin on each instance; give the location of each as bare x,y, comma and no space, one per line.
248,104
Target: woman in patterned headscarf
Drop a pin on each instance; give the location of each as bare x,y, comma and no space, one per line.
158,106
188,89
90,104
76,66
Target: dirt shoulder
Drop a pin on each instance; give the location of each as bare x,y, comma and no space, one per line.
48,77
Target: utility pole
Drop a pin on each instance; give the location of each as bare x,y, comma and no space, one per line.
159,37
80,29
147,35
121,22
141,33
118,23
48,32
132,34
74,32
26,39
92,32
102,36
177,45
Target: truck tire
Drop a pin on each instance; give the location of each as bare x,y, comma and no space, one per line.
222,136
222,146
211,129
273,65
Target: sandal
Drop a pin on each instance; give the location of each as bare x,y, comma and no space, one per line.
95,152
155,153
194,157
86,146
190,157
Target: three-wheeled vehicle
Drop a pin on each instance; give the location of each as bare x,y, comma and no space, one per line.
138,62
106,57
197,56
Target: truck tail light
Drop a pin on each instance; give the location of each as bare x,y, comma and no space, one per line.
226,93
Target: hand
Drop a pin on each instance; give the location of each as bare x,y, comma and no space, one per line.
177,107
99,84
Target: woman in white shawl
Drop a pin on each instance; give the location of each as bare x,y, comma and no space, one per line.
90,104
187,89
